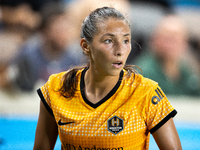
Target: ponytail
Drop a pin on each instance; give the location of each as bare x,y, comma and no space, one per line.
68,83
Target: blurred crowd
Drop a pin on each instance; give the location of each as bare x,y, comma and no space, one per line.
41,37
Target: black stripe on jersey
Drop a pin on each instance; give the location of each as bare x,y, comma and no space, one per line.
44,102
170,115
82,86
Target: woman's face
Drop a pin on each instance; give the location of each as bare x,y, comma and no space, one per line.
110,47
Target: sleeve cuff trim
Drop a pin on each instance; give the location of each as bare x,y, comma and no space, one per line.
170,115
44,101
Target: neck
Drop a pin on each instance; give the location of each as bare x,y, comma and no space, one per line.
98,86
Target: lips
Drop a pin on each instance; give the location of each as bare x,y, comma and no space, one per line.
117,64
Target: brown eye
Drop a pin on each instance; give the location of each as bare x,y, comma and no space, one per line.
126,41
108,41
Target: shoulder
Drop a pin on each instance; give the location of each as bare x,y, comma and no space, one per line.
146,81
140,80
55,80
139,84
144,84
57,76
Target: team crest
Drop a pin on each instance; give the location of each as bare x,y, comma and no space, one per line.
115,125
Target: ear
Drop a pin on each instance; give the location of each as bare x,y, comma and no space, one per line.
85,46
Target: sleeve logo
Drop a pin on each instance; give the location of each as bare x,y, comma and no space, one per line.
156,99
115,125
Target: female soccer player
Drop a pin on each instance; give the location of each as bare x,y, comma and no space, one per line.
105,105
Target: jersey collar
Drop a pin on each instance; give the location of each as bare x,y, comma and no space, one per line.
111,93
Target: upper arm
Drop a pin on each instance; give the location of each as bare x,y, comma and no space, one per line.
167,137
47,130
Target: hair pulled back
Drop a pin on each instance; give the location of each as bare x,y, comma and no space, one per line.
100,15
88,31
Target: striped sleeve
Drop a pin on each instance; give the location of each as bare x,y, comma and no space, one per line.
160,110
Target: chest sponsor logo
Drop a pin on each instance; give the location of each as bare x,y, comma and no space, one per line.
72,147
115,125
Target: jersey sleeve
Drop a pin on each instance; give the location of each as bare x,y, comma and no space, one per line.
160,110
44,95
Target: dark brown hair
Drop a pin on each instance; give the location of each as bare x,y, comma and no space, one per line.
89,29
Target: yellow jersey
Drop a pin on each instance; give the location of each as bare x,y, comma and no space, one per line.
122,120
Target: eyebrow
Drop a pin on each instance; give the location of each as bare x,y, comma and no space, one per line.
110,34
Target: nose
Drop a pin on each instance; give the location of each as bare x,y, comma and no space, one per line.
119,49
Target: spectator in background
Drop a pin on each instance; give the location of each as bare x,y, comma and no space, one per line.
18,21
166,4
169,60
196,46
47,52
144,15
19,17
